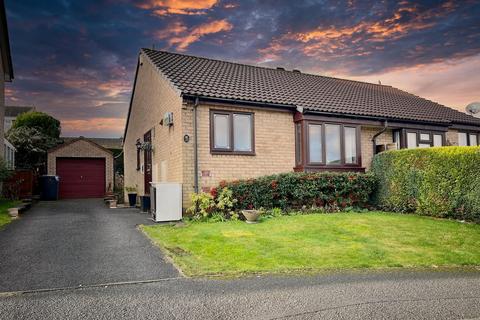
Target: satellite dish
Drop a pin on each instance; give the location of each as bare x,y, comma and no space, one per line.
474,109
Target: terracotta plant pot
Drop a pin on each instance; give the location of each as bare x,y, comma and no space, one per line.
251,216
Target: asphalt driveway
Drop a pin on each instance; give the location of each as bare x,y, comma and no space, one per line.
77,242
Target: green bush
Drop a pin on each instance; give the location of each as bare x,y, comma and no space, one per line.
213,206
440,182
333,191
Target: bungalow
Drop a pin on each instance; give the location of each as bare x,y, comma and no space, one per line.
197,121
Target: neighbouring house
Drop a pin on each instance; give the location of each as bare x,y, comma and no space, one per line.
12,112
85,168
6,69
9,154
197,121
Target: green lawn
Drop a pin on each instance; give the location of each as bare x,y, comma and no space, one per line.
318,242
4,217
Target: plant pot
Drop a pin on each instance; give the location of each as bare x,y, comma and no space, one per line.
113,204
251,216
132,199
13,212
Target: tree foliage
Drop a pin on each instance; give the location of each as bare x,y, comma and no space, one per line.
44,123
32,145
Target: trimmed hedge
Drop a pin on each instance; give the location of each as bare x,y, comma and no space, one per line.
332,191
440,182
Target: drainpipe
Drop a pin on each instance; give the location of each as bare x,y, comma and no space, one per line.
374,139
195,147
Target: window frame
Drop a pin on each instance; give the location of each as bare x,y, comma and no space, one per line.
468,133
431,133
324,164
231,150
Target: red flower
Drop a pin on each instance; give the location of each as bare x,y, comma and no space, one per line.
214,192
273,184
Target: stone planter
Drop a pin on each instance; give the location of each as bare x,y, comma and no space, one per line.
13,212
112,204
251,216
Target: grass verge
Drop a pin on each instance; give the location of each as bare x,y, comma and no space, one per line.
318,242
4,217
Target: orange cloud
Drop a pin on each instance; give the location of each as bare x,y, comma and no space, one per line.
93,125
337,41
179,36
452,82
184,7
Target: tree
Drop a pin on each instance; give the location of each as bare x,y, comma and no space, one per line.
43,122
32,134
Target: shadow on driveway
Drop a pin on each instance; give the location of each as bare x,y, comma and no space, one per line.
77,242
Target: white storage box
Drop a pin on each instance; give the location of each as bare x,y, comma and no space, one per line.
166,201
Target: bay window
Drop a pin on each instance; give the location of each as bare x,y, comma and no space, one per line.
330,145
231,132
350,145
315,152
333,144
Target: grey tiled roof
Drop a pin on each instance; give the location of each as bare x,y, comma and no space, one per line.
227,80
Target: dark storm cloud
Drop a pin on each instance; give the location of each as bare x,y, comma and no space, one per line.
76,59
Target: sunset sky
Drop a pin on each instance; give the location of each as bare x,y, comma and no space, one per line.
76,59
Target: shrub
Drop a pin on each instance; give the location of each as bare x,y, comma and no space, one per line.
333,191
440,182
214,206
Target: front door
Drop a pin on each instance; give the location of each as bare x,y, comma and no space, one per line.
147,156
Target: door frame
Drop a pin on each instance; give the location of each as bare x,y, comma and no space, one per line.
147,163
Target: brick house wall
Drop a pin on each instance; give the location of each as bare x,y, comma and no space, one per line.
82,149
153,97
173,158
274,148
2,111
366,135
452,137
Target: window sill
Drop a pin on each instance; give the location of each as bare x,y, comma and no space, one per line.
233,153
311,168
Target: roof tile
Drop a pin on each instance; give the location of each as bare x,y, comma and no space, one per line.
220,79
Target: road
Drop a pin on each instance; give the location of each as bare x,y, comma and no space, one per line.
79,260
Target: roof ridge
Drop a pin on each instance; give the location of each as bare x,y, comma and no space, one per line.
267,68
248,82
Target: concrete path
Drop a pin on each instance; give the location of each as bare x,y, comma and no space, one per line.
77,242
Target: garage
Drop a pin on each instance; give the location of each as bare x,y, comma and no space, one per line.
84,167
81,177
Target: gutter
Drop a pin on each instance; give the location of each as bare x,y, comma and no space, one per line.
374,138
242,102
195,147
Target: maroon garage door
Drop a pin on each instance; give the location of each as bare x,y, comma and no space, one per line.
81,177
